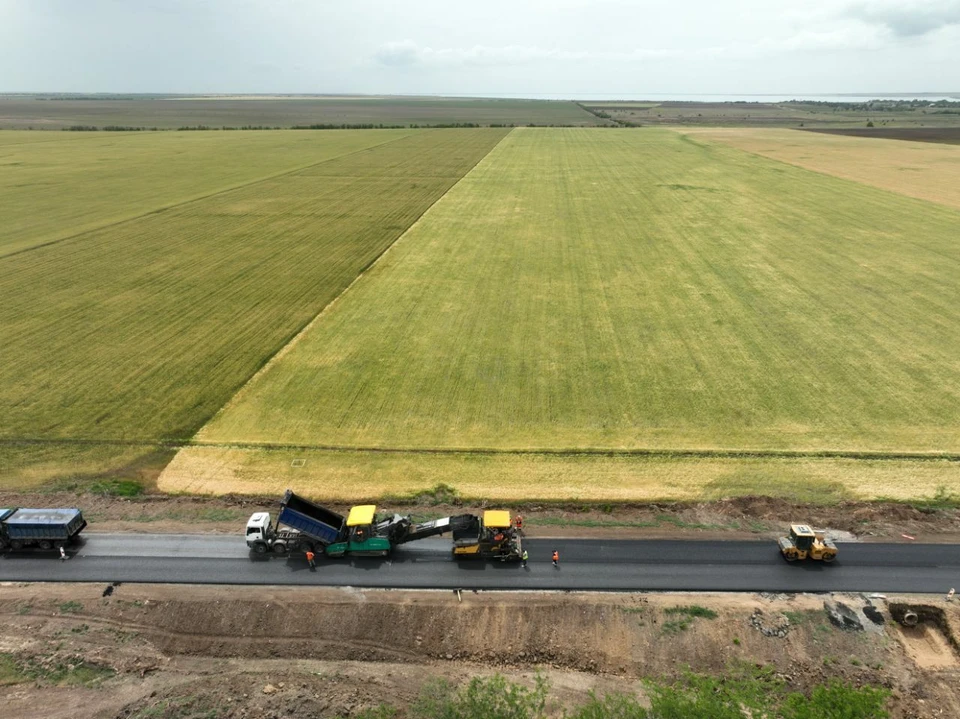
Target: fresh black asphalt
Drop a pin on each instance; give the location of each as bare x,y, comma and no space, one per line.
585,564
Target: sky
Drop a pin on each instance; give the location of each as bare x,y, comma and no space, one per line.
531,48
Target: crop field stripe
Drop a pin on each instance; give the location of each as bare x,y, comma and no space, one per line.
197,198
636,289
144,331
306,328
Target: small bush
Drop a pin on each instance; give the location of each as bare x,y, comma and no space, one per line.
694,610
746,692
612,706
117,488
837,700
490,698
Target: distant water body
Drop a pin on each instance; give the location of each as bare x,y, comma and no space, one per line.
663,97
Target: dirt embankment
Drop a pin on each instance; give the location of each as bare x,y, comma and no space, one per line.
166,651
743,517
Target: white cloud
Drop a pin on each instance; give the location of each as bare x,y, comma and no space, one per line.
848,36
409,53
904,18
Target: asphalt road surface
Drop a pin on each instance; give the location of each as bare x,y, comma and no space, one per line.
584,565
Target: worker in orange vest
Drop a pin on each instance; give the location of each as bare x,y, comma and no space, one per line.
310,556
556,558
518,523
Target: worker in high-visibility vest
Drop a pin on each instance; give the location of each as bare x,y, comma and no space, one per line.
310,557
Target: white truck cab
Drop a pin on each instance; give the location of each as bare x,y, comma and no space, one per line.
258,529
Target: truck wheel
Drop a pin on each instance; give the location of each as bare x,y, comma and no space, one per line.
829,558
16,545
280,548
260,548
790,557
46,544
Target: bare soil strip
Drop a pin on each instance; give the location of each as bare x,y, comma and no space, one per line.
161,651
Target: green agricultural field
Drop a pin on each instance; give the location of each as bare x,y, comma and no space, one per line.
635,289
142,330
57,185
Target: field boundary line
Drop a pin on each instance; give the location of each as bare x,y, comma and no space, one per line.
199,198
637,452
289,345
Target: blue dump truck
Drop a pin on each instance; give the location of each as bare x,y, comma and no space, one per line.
304,526
301,525
39,528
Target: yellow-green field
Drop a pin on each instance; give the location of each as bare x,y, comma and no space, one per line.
925,170
553,295
142,330
357,476
57,185
635,289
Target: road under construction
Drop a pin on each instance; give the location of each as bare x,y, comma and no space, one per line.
585,564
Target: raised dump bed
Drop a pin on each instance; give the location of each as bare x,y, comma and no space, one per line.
320,523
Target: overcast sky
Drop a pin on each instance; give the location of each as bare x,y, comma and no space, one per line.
536,48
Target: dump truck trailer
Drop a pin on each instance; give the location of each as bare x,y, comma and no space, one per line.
301,526
39,528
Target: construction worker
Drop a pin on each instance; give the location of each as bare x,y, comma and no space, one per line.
518,523
63,554
310,561
950,594
523,559
556,558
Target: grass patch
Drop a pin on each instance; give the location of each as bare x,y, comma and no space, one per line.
740,694
71,607
694,611
675,626
17,670
10,672
117,488
943,498
682,617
